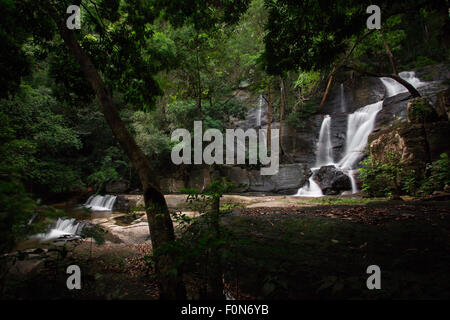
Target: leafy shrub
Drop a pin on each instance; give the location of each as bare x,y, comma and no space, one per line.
299,117
381,179
439,176
390,178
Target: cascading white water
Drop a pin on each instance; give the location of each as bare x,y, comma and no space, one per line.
259,112
100,203
342,98
351,175
311,189
359,126
63,228
324,154
393,87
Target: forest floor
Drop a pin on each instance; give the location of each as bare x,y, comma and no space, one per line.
277,248
322,249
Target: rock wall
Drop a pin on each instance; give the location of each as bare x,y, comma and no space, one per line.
392,132
417,141
288,180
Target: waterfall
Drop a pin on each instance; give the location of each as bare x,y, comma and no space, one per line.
311,189
359,126
100,203
324,154
342,96
63,228
259,112
393,87
351,175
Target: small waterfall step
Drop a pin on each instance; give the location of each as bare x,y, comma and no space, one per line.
64,229
311,189
324,155
100,203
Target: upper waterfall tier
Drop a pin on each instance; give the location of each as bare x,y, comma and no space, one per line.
393,87
360,126
100,203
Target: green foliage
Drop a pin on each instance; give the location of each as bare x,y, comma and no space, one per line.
314,35
18,210
381,179
109,169
307,80
199,248
340,201
439,176
309,34
36,140
299,117
390,178
420,110
410,182
96,232
153,141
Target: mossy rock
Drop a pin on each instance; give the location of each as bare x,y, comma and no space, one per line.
421,111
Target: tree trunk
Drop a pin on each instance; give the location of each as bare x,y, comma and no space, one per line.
282,108
269,119
160,223
330,81
215,288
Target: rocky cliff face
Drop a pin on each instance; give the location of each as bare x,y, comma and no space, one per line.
288,180
418,140
415,142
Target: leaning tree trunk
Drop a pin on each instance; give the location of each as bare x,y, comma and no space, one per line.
269,119
413,91
160,224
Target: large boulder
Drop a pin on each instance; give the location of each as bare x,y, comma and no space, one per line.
331,180
405,142
289,178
